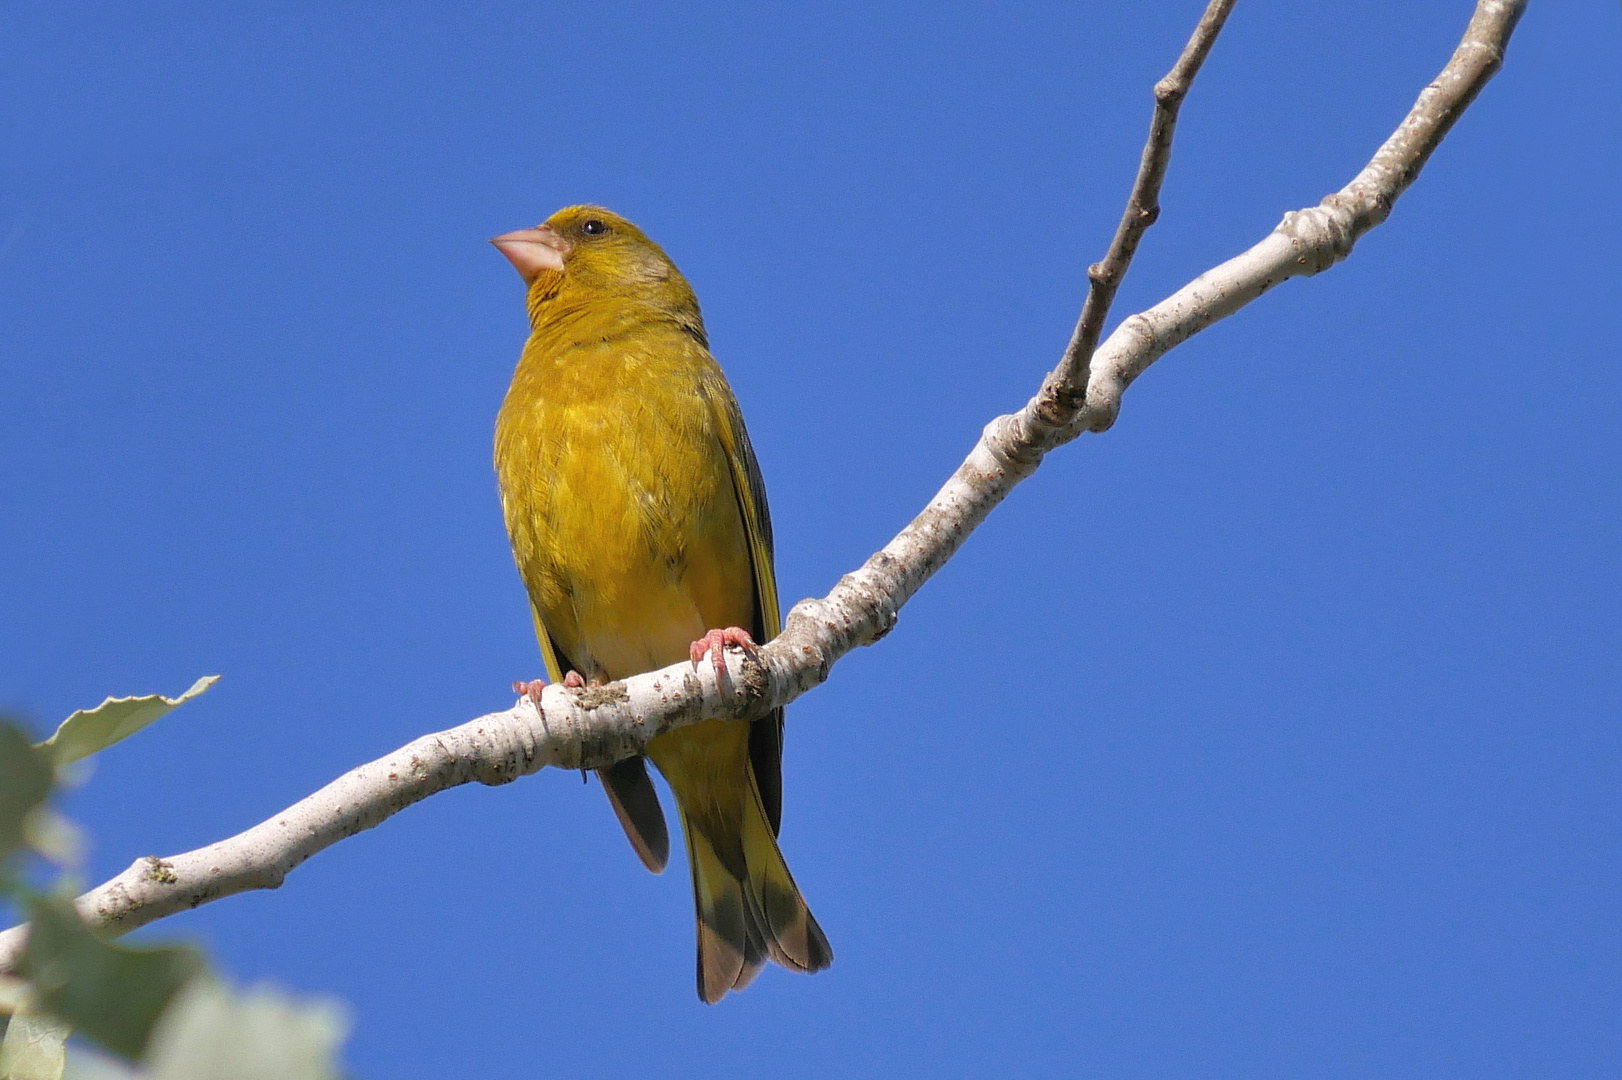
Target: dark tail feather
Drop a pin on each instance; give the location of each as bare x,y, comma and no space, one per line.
728,952
749,909
636,804
791,934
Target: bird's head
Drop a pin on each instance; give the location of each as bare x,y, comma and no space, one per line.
587,252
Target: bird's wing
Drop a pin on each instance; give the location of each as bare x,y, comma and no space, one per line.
549,652
627,784
765,734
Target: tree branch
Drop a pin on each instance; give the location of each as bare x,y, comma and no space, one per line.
580,729
1304,243
1069,379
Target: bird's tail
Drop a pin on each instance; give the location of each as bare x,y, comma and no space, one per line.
749,909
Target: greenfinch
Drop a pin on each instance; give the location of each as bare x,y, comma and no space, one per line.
638,521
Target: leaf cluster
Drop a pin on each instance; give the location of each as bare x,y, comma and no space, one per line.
142,1013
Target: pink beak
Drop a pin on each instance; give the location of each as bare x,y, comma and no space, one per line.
533,250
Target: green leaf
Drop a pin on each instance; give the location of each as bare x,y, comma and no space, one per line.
32,1048
111,993
90,730
53,836
25,780
211,1034
14,997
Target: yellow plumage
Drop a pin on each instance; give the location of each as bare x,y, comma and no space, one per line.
638,522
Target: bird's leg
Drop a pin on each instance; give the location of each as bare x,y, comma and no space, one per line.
716,641
532,689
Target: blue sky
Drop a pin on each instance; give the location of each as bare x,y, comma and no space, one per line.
1274,733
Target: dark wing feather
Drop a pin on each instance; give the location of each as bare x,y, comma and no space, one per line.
627,784
765,734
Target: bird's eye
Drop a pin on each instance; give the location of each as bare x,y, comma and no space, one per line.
593,227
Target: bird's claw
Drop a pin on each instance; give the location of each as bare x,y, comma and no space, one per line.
532,689
715,643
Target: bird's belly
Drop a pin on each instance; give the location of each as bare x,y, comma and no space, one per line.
639,554
648,624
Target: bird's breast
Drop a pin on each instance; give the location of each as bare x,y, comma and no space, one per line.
619,503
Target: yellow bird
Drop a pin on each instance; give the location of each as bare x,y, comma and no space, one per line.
638,522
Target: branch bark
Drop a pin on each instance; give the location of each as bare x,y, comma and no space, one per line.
1142,209
584,729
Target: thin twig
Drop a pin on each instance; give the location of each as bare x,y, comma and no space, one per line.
574,729
1068,383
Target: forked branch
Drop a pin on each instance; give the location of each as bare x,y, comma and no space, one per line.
1069,379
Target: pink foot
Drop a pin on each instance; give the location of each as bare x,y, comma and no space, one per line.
533,688
716,641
